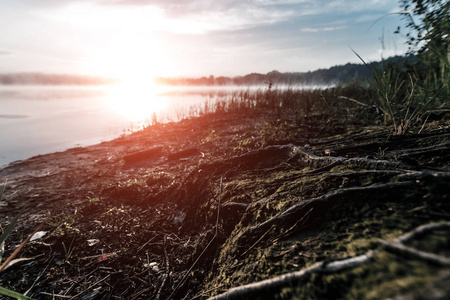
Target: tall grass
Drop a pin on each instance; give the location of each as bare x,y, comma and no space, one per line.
407,94
299,102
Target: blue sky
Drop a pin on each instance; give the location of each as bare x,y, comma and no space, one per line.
126,38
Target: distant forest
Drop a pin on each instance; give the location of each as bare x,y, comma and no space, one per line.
331,76
52,79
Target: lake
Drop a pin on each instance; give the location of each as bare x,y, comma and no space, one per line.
43,119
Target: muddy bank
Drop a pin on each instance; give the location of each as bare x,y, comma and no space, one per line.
190,210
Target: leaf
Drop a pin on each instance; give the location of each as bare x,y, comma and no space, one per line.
14,261
13,294
38,235
103,257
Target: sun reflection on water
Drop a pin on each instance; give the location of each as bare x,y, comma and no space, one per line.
137,100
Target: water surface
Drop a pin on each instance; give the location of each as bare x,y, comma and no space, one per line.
42,119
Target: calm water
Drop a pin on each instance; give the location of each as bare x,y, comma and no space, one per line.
42,119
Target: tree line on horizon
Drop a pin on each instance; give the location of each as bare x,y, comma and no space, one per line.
52,79
323,77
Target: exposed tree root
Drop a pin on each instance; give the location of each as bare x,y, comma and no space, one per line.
401,249
319,205
398,246
441,148
422,230
257,288
270,158
307,159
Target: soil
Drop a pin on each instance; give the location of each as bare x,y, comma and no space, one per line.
189,210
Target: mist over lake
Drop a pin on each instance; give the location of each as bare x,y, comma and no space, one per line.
41,119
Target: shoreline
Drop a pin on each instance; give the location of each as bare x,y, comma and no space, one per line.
146,203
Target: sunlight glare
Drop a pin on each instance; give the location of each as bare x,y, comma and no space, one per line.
137,100
134,61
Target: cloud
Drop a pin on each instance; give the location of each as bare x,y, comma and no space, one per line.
317,29
3,52
178,17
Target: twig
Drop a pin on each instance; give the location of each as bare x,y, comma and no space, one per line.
38,277
148,266
89,288
355,101
293,226
259,240
11,257
158,295
56,295
204,250
80,280
145,244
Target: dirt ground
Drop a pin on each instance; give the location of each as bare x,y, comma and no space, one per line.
190,210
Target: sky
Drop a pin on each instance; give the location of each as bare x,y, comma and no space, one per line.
180,38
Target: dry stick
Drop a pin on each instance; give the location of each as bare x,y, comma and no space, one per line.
38,277
148,266
134,296
205,293
306,215
204,250
158,295
259,240
89,288
11,257
80,280
355,101
146,243
56,295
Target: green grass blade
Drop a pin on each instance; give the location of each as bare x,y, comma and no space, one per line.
13,294
2,189
8,229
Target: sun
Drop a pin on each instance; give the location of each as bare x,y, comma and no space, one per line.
136,99
135,61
